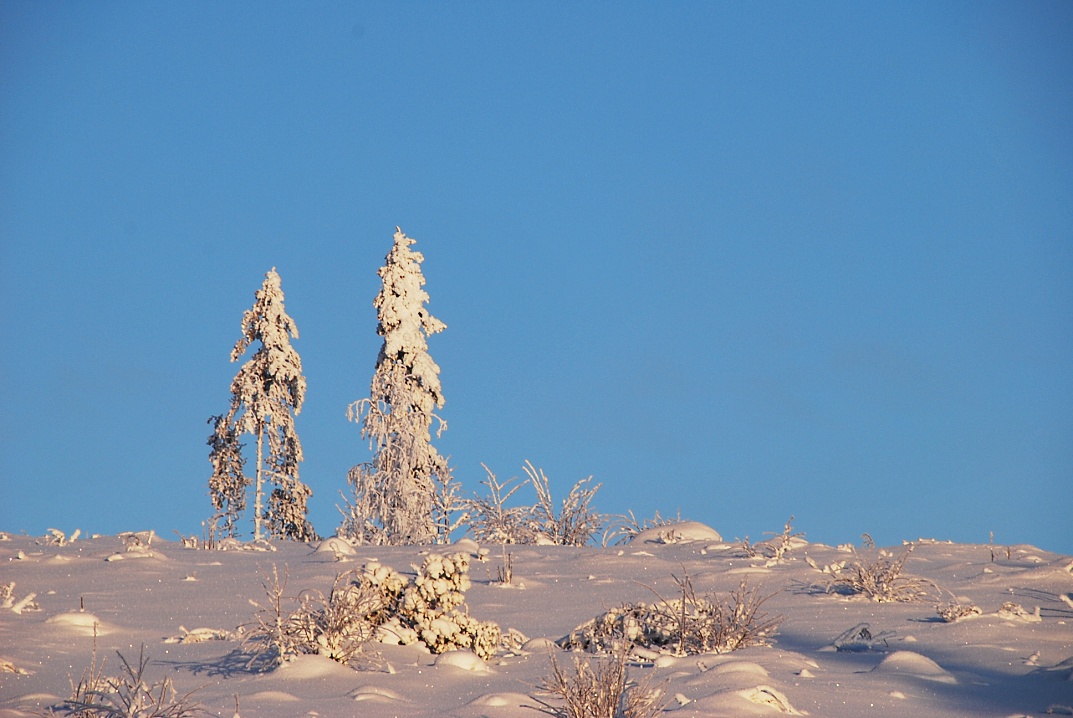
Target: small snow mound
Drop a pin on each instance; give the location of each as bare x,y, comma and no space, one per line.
335,545
769,697
79,622
666,661
134,554
272,696
502,700
310,666
540,644
747,570
377,695
1062,671
465,660
467,545
739,667
914,664
682,532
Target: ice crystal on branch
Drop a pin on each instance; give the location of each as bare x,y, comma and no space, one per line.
406,494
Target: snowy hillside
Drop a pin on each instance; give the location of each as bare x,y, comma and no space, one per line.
834,654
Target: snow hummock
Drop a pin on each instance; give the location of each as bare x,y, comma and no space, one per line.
681,532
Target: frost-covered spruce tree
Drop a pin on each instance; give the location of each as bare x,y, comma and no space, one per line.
228,483
404,495
266,394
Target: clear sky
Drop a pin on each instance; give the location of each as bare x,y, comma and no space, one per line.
741,260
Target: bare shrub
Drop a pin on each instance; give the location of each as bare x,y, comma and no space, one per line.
599,688
340,624
127,695
775,548
881,579
575,523
572,523
685,625
336,626
491,520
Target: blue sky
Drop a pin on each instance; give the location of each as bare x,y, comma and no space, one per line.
741,260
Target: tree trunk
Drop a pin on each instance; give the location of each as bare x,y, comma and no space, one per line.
258,489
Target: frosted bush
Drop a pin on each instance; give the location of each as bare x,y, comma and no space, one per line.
433,606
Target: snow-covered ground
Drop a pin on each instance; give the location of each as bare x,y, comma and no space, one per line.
906,661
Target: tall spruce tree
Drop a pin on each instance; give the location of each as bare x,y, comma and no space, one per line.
266,395
404,495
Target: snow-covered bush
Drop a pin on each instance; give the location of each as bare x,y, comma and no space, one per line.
575,523
685,625
8,600
434,607
955,611
373,603
491,520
